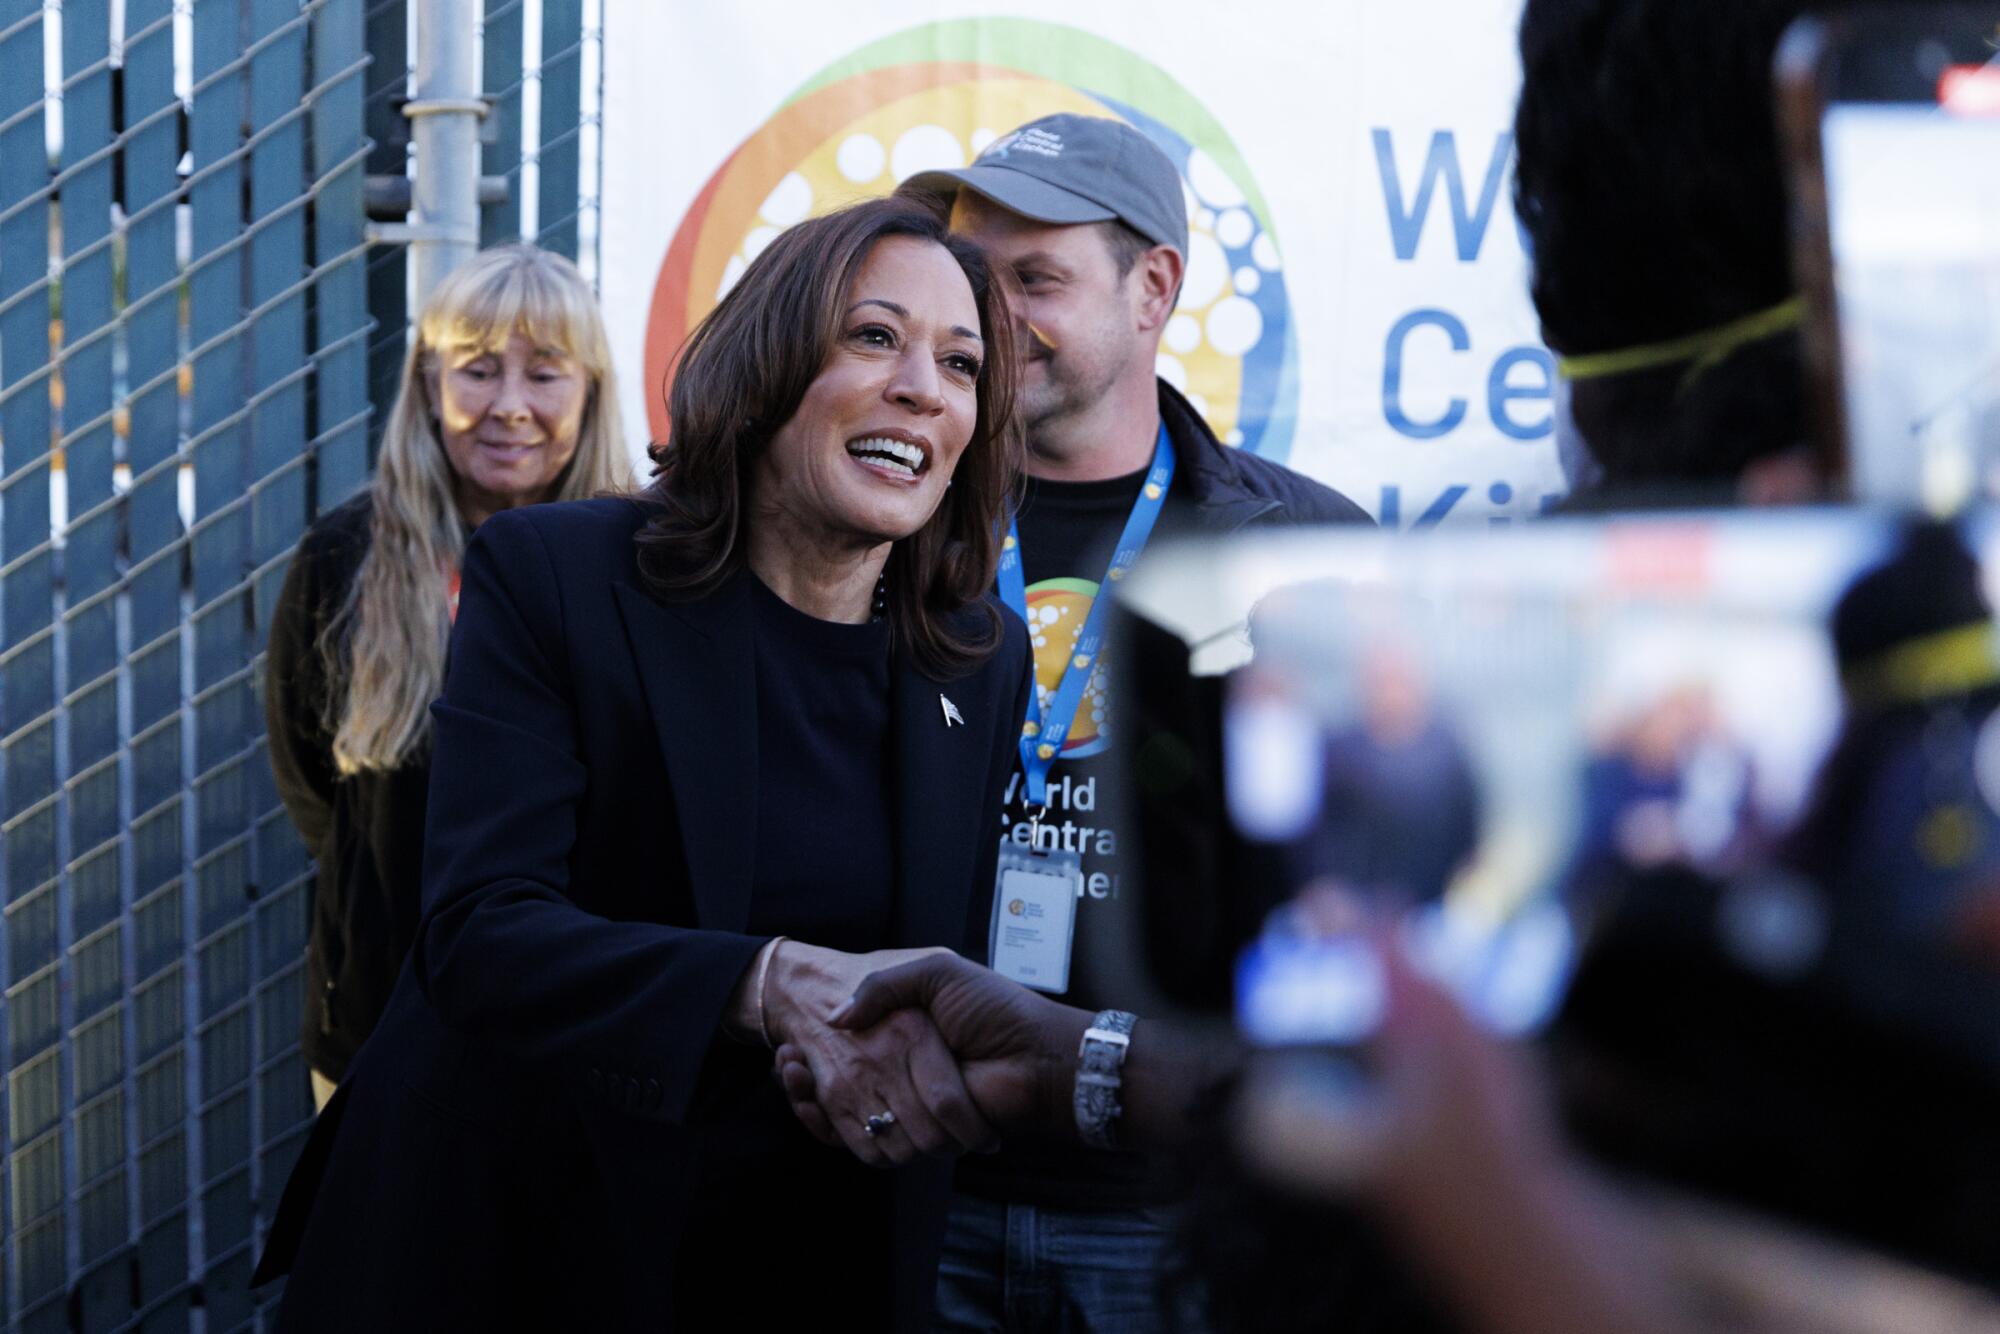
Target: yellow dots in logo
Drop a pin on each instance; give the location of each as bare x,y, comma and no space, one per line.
1116,573
1046,751
1017,906
1082,661
1152,490
1030,729
1007,543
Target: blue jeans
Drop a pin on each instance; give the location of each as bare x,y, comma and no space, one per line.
1023,1269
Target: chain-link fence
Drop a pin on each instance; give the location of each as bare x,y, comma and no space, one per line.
194,339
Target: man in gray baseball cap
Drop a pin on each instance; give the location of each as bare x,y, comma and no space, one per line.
1092,218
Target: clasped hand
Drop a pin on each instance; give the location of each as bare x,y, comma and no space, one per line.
983,1055
895,1073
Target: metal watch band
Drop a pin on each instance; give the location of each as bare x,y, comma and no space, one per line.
1099,1060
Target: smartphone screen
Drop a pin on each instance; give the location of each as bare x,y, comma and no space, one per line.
1910,141
1480,744
1472,743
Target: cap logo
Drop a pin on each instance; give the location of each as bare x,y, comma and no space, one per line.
1040,142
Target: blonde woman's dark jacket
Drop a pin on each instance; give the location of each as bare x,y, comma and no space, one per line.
366,830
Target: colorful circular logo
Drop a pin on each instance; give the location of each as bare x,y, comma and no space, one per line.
934,97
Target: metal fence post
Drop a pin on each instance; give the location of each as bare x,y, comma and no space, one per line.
444,120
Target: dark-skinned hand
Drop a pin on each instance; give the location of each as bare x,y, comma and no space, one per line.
1016,1049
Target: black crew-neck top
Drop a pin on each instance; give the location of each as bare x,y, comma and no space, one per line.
825,875
825,848
1071,529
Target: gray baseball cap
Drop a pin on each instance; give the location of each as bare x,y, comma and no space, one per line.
1071,169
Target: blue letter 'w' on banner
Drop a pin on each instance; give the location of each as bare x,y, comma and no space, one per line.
1406,221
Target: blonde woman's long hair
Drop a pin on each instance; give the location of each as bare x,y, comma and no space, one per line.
390,635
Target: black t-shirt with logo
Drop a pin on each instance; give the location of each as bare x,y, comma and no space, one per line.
1069,531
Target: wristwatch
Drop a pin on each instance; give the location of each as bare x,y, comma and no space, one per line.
1099,1060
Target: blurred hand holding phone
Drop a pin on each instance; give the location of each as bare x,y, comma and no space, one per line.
1706,805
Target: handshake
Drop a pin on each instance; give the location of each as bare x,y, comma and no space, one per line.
901,1054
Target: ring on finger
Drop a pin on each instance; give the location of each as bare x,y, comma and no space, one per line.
878,1123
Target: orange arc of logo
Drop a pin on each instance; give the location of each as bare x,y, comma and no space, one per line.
788,137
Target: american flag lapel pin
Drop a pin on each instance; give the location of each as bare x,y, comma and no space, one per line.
951,713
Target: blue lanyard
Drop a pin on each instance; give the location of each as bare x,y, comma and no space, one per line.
1044,729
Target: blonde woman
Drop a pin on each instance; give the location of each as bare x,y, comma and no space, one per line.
506,400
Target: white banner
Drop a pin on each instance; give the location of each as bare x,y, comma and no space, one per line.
1356,299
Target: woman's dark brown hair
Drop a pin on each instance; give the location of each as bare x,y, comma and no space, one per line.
742,375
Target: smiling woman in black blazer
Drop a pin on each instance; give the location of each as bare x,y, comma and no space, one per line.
703,760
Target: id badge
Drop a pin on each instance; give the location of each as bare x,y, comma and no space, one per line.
1034,916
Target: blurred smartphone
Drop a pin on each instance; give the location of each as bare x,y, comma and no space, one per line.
1891,126
1467,742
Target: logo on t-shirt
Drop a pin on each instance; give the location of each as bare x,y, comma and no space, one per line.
1056,612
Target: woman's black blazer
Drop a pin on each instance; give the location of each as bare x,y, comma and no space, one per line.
512,1147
